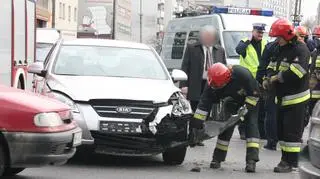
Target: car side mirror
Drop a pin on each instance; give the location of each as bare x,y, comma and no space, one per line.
178,75
37,68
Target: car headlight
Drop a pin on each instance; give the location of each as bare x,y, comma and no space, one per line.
48,120
181,105
65,100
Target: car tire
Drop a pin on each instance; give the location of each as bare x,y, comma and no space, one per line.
12,171
3,160
174,156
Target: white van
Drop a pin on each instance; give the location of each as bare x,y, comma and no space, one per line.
232,25
46,40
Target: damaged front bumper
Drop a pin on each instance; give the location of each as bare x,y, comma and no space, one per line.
171,133
148,129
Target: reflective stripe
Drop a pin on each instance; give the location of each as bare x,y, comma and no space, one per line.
223,142
296,98
199,111
317,63
222,147
284,66
310,61
253,145
298,70
272,65
256,140
199,116
290,146
315,94
252,100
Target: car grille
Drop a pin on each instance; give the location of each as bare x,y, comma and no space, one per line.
123,108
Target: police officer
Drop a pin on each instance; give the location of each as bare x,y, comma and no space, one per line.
239,87
250,51
288,74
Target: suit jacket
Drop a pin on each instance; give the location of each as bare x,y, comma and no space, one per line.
193,64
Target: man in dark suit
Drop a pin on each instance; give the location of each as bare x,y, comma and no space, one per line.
197,59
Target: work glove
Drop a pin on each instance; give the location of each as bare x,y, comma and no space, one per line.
196,136
266,84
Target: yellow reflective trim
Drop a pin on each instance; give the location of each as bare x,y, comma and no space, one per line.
253,145
296,101
222,147
315,94
298,70
251,100
199,116
284,66
310,61
291,149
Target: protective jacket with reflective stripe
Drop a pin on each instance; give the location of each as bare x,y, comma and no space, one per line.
243,88
251,60
314,62
290,63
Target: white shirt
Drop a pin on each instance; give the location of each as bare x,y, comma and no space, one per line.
204,76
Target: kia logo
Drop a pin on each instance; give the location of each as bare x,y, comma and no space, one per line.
123,109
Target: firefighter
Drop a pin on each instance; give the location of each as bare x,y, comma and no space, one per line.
237,85
303,36
287,73
250,51
314,83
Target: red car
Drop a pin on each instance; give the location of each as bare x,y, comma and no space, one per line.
34,131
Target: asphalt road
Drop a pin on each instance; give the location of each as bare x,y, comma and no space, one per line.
102,167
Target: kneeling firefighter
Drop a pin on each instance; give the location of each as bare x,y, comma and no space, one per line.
287,74
238,86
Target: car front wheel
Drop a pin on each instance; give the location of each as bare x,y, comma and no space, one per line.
174,156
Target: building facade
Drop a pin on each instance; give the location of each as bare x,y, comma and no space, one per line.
66,17
44,13
96,19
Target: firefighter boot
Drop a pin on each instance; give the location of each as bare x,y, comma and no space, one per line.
215,164
283,167
251,166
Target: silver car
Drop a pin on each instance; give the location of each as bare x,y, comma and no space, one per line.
122,97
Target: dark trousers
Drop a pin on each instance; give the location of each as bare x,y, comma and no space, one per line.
194,103
262,119
290,129
271,120
251,132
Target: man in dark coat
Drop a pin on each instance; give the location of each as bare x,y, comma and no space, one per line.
197,59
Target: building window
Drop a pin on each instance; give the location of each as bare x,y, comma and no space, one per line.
64,11
43,3
178,45
75,15
60,10
69,13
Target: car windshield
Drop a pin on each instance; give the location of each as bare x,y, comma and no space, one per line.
109,61
42,51
232,38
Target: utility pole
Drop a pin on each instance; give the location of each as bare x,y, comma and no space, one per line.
297,15
53,13
140,14
114,19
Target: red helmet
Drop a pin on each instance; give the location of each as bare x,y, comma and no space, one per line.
282,28
301,31
218,75
316,31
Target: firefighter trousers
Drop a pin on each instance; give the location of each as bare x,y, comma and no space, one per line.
290,129
251,132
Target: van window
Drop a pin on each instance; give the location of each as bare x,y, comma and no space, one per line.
178,45
193,37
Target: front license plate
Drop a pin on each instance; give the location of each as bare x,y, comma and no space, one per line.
77,137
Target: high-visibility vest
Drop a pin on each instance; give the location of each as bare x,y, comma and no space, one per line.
251,61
